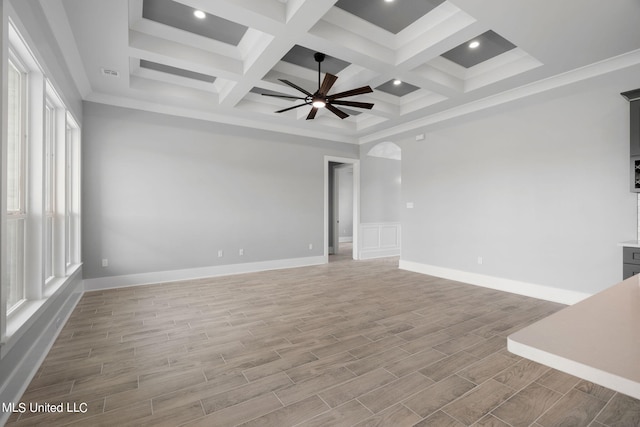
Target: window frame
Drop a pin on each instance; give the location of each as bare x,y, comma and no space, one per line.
72,200
51,143
39,294
19,215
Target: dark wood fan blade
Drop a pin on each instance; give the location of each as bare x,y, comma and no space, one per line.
327,83
337,112
366,105
352,92
295,86
291,108
282,96
312,113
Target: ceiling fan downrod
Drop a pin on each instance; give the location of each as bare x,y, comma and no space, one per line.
319,57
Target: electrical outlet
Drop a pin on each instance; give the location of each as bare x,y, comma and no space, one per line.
220,253
241,252
310,246
480,260
105,262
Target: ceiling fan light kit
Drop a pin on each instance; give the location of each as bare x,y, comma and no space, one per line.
321,98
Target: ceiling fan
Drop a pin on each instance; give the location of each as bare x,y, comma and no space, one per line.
321,98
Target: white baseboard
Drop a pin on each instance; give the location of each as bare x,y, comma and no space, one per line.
345,239
124,281
543,292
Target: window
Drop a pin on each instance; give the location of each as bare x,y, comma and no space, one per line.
41,173
16,183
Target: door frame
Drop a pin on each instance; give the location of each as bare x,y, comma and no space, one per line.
356,203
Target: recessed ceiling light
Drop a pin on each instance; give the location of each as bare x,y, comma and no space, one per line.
474,44
388,1
199,14
397,82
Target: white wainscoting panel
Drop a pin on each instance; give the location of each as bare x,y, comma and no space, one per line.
379,240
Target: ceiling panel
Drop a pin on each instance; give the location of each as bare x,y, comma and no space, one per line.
490,45
176,71
392,16
299,55
180,16
401,89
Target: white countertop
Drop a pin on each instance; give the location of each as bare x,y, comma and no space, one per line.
630,244
597,339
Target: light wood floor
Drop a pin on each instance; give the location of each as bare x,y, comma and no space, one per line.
349,343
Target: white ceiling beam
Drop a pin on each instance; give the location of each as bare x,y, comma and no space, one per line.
305,16
178,55
162,31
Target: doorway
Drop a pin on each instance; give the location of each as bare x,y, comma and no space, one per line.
342,208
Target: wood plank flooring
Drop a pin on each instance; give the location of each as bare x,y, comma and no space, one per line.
345,344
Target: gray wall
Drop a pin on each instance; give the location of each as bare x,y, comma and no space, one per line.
379,187
539,188
166,193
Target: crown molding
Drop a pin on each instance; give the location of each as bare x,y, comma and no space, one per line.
615,63
226,119
59,24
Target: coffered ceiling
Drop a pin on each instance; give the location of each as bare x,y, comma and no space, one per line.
156,55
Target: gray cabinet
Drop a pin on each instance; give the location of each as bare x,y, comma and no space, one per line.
631,262
633,96
634,146
634,106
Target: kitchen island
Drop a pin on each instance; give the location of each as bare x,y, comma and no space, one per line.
597,339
